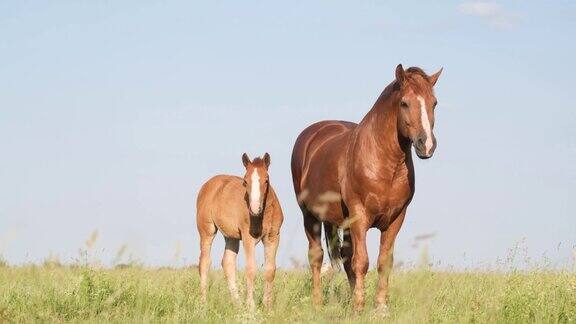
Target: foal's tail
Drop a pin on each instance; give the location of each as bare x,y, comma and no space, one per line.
333,245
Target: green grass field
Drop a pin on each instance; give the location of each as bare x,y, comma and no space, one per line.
134,294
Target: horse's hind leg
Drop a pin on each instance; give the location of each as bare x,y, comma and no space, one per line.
229,266
346,254
207,232
346,250
333,245
313,227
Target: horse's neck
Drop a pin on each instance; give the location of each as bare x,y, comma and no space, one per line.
377,140
257,223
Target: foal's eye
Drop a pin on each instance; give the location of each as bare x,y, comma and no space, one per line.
403,104
435,103
244,183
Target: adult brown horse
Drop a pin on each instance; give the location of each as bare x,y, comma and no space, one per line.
245,209
358,176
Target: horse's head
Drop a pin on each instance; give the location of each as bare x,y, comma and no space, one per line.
256,182
416,104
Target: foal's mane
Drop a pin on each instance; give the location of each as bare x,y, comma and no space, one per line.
258,162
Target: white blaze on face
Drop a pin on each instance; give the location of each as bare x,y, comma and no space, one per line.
425,124
255,192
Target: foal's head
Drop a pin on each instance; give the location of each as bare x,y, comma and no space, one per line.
256,182
416,103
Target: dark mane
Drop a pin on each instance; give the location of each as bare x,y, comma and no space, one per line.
418,79
413,75
258,162
413,70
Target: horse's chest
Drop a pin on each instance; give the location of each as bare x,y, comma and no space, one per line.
386,201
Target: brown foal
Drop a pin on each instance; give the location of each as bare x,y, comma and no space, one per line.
356,176
243,209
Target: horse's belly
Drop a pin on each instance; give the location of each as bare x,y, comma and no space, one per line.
228,221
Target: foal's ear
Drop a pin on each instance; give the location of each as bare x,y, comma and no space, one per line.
400,74
245,160
267,159
434,77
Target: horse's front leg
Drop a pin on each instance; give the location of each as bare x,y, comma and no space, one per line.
249,249
358,230
271,242
386,261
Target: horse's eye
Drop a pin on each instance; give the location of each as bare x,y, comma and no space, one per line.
403,104
435,103
244,183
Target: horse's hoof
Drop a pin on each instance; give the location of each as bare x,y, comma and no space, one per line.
381,311
358,307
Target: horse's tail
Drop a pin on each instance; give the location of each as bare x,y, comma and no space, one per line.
333,245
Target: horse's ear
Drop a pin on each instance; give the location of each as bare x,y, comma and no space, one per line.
245,159
400,74
434,77
267,160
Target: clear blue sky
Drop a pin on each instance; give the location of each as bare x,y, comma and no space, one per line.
112,115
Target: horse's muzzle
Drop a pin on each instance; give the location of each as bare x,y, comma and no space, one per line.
423,148
256,212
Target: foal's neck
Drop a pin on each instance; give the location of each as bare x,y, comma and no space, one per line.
379,130
256,222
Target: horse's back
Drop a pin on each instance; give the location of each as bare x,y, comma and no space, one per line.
216,192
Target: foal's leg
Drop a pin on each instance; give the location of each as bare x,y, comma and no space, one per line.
229,266
207,234
270,242
359,256
386,261
315,254
249,249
